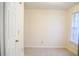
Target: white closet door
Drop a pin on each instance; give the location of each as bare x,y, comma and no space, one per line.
14,29
1,29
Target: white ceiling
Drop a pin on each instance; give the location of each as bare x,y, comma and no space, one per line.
50,5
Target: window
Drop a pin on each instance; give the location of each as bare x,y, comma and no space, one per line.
75,28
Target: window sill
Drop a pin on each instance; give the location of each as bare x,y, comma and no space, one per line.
74,42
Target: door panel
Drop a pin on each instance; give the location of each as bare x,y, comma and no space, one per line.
14,28
1,29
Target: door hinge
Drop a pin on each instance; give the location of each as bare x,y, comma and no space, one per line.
20,2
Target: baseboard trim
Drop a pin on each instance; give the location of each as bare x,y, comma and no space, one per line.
43,47
72,51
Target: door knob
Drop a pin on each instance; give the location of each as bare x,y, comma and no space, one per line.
17,40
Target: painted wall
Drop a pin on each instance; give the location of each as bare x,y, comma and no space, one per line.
44,28
70,45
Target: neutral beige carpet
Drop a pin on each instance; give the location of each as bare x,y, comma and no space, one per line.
47,52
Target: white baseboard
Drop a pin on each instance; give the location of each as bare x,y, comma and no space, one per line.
44,47
72,51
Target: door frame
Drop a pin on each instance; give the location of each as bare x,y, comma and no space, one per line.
2,30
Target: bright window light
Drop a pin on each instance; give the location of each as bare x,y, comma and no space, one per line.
75,28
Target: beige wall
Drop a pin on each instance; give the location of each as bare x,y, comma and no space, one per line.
44,28
71,46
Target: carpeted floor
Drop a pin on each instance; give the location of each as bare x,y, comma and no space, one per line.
47,52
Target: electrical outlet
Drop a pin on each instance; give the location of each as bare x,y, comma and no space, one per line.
42,42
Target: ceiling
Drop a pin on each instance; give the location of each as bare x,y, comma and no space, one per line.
49,5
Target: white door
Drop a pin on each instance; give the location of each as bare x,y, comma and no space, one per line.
14,29
1,29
